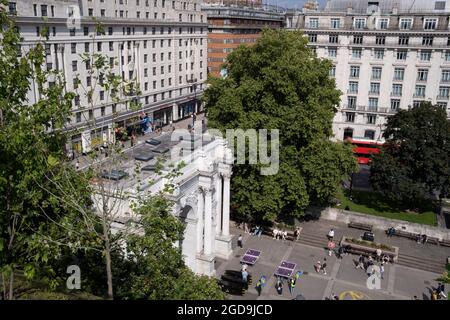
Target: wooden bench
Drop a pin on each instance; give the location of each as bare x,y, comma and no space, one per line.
432,240
368,252
445,243
362,226
406,234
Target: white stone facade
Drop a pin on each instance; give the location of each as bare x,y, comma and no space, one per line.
159,44
386,57
201,201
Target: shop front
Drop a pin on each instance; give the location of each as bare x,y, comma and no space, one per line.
186,109
163,117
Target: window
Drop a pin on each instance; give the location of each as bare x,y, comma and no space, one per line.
445,76
111,46
74,66
335,23
86,31
333,38
405,23
425,55
353,87
12,8
427,41
371,118
380,40
444,92
349,117
417,103
91,12
439,5
357,39
402,54
369,134
378,54
44,10
354,71
312,38
78,114
359,23
397,90
351,101
399,74
374,88
376,73
403,40
356,53
383,23
313,23
373,104
395,104
333,71
420,91
73,48
332,52
430,23
422,75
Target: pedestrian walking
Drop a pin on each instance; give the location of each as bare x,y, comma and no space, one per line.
360,262
244,267
440,290
318,266
324,266
382,271
260,284
292,283
77,165
239,241
331,246
245,276
279,286
330,235
297,233
378,254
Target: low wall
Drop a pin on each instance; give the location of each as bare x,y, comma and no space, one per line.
382,223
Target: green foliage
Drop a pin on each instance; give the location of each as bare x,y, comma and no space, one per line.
279,83
377,204
415,161
153,267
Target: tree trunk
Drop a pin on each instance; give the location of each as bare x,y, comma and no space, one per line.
11,285
108,261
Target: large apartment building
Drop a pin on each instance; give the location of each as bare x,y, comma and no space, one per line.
231,26
387,55
160,45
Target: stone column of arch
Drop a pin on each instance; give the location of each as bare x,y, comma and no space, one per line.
200,221
208,222
226,204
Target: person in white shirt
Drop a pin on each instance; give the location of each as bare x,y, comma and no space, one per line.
331,235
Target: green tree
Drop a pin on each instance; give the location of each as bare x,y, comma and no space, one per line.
152,267
415,159
279,83
28,141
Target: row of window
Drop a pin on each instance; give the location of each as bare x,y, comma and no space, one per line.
378,54
378,23
103,109
125,31
99,45
399,73
379,40
353,87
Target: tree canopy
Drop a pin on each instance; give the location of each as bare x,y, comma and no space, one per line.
415,159
279,83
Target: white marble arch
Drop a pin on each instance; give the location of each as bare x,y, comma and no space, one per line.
189,242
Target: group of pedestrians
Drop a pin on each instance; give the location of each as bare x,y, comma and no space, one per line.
439,292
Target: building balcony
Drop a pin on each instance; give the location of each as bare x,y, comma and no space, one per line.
439,97
368,109
396,94
352,91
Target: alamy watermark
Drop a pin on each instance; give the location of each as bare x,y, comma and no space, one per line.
74,280
257,147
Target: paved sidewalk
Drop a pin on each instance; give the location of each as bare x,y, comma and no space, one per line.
342,279
84,160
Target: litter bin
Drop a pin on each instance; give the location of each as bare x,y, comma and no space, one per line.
368,236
